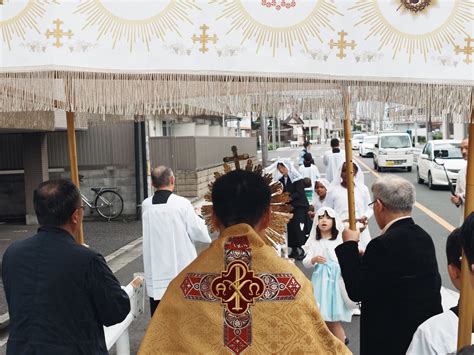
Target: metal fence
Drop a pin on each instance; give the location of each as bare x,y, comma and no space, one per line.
100,145
196,153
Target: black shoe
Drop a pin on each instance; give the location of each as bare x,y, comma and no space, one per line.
300,255
346,341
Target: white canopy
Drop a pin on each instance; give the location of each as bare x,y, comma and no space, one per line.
148,56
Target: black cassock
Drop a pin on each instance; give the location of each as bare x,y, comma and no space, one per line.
299,201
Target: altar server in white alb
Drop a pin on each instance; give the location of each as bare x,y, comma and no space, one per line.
170,228
337,200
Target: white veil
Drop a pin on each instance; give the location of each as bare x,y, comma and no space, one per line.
331,213
293,173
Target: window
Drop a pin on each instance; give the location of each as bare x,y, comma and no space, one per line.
447,151
428,150
401,141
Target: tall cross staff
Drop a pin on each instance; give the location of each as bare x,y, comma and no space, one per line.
236,158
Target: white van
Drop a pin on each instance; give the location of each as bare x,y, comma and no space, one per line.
393,150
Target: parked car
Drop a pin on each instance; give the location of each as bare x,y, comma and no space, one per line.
393,150
357,140
434,155
366,148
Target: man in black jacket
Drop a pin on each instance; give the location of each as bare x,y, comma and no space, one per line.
60,294
397,278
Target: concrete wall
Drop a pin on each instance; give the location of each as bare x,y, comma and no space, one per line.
121,178
195,183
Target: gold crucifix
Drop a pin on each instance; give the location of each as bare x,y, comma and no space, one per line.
467,50
58,33
236,157
204,38
342,44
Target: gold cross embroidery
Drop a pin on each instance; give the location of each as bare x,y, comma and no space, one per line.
204,38
58,33
342,44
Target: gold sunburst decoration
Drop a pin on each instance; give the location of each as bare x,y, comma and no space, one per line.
279,204
154,26
418,42
275,36
24,20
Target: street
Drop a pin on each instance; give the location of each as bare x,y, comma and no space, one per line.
434,213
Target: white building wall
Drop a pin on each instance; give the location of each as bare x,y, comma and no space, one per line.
184,129
215,131
202,130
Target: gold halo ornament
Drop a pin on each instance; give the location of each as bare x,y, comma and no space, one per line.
307,26
423,35
24,20
279,204
132,29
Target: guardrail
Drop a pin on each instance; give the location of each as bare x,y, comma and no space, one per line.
118,334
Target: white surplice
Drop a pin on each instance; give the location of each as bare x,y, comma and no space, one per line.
461,191
437,335
169,232
337,200
332,161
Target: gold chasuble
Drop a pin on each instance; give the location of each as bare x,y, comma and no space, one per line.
239,297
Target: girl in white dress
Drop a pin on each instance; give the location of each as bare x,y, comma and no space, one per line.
326,278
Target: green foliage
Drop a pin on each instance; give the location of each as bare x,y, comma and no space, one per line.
437,135
421,139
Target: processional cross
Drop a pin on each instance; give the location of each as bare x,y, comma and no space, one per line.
237,288
236,158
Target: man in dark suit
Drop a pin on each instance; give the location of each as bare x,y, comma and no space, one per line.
397,278
60,294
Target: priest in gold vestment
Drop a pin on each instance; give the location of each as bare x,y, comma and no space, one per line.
239,296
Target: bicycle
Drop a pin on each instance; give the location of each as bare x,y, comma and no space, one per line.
107,201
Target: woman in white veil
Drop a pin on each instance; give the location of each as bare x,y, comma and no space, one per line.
337,200
292,182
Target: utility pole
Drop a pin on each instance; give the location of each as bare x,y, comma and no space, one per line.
279,130
273,134
264,141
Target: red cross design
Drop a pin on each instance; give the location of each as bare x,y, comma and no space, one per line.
237,288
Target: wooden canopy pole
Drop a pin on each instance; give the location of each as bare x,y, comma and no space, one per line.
71,142
466,297
349,166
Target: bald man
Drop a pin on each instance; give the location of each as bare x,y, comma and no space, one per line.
460,196
170,229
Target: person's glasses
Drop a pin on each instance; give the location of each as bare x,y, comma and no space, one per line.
81,207
372,203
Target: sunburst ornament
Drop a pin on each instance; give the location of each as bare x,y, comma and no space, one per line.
131,23
415,5
19,17
298,24
280,207
414,35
